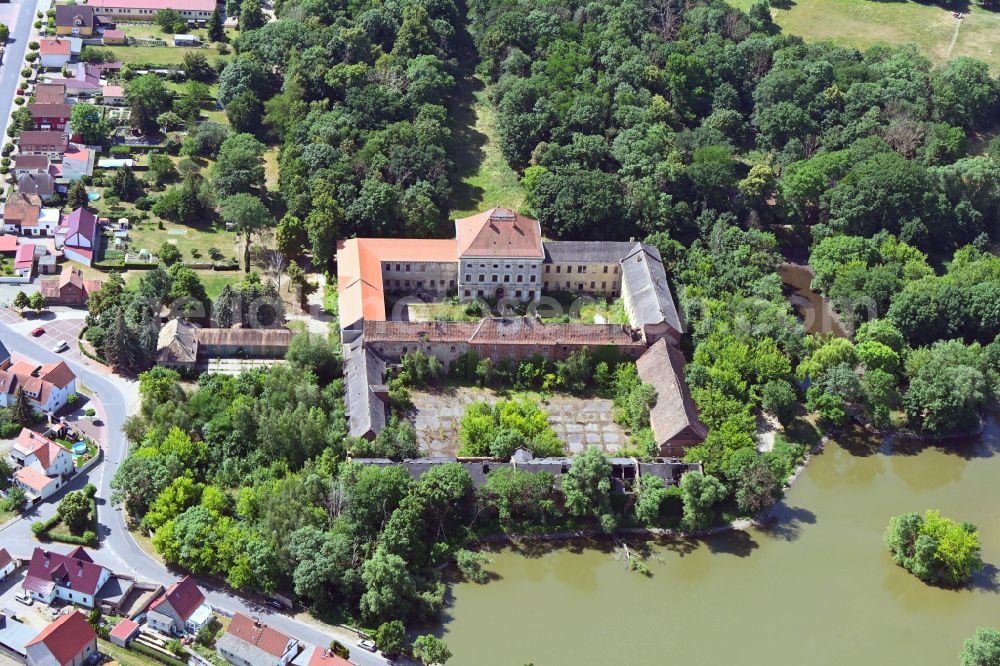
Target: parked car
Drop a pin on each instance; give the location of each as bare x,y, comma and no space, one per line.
24,599
38,331
366,645
60,346
274,603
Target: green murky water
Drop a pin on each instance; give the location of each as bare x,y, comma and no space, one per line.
816,588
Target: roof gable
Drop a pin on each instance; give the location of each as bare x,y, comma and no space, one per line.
499,232
183,596
66,637
256,633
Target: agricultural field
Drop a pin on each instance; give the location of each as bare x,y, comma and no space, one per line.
863,23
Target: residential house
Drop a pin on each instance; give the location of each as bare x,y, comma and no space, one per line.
42,464
21,219
15,635
146,10
7,564
50,93
250,642
4,356
85,81
29,219
69,641
313,655
674,416
500,255
47,386
113,95
24,164
69,288
78,236
77,162
113,38
124,632
181,609
42,142
51,115
24,260
75,20
55,53
42,184
72,577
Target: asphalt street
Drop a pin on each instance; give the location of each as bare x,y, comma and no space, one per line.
19,17
118,550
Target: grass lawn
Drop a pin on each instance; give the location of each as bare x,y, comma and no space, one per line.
6,515
214,281
271,168
153,31
862,23
125,657
486,180
150,236
162,55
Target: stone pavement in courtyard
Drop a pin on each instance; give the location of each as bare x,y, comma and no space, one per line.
579,422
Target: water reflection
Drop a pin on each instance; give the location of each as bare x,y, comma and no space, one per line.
815,586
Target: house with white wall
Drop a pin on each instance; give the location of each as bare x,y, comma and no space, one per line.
73,577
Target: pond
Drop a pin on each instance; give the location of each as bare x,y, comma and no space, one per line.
817,587
815,312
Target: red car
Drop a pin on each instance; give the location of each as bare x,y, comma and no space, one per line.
38,331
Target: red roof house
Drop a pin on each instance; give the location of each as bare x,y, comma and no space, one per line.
250,641
73,577
69,288
69,641
180,610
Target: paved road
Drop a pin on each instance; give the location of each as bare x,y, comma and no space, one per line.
19,16
119,550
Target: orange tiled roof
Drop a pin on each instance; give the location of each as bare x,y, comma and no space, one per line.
499,232
359,270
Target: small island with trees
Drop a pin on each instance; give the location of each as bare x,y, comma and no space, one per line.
933,548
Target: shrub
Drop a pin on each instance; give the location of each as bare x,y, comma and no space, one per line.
34,46
32,56
72,399
90,411
26,72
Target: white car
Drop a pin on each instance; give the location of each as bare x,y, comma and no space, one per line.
366,645
60,346
24,599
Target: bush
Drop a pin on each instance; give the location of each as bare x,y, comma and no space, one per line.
31,56
90,411
72,399
34,46
26,72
